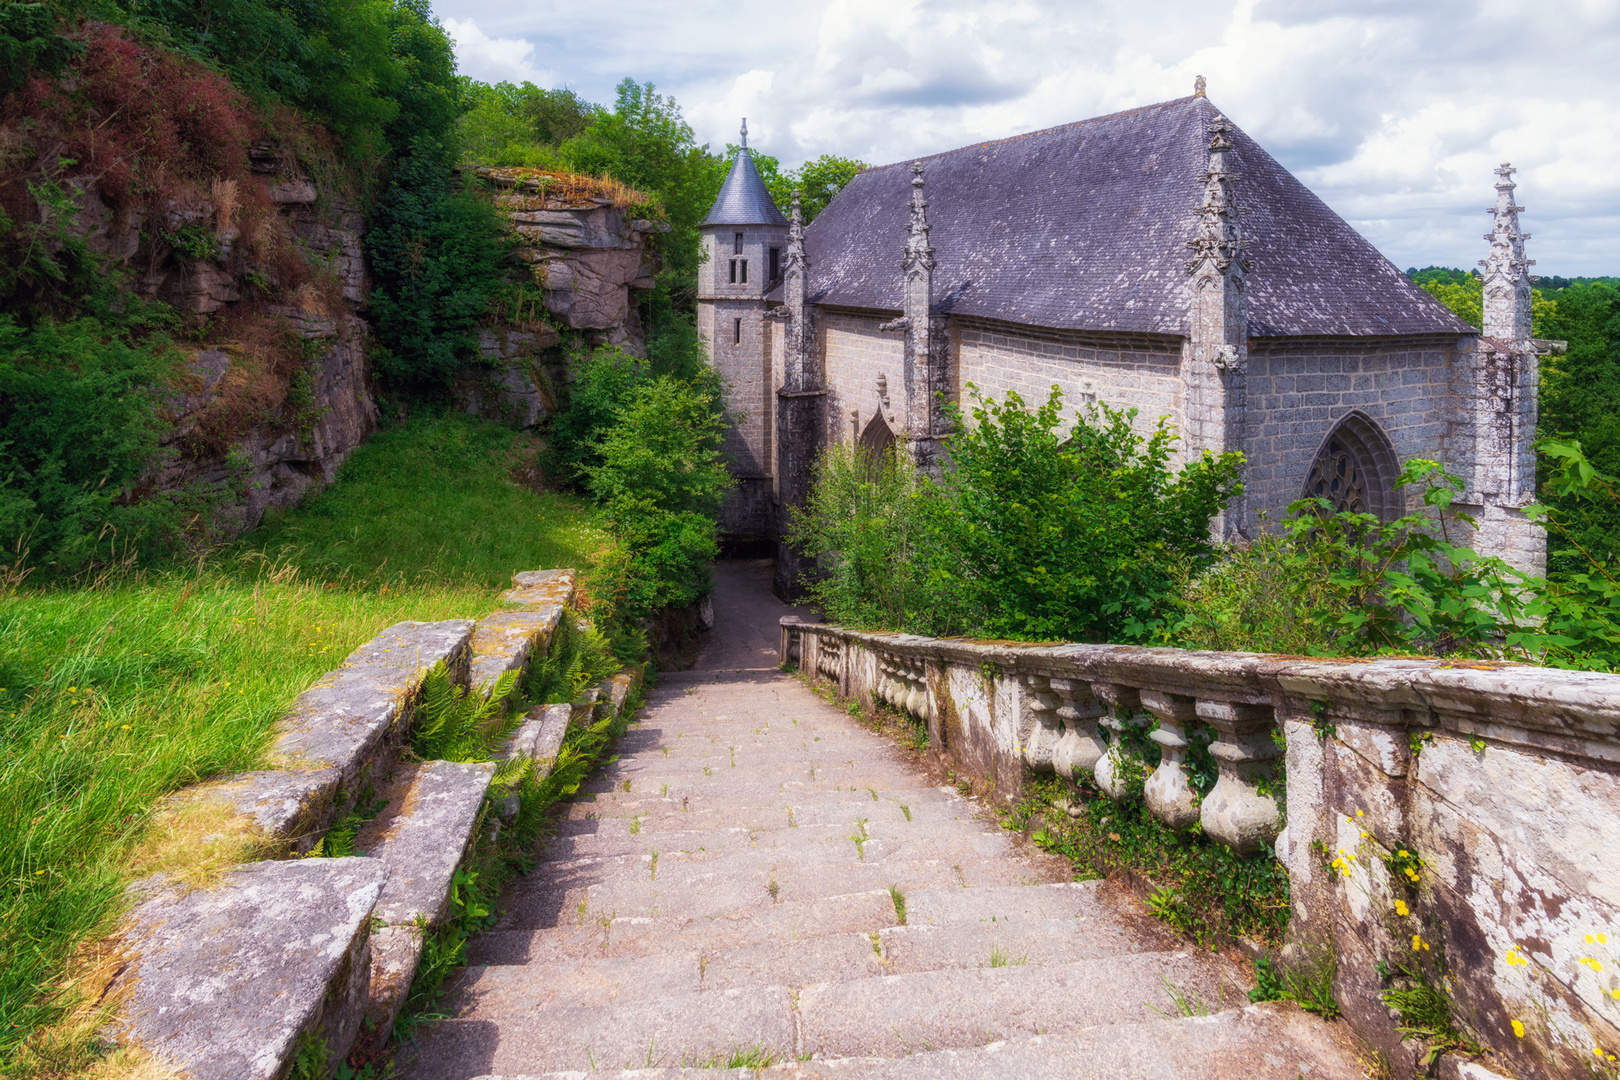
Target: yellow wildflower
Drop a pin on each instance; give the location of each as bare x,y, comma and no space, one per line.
1518,1029
1403,853
1401,909
1417,943
1360,812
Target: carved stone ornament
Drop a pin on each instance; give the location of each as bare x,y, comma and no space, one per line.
919,255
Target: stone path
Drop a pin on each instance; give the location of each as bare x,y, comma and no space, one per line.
733,886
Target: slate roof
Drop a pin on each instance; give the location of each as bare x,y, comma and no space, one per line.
1084,227
743,198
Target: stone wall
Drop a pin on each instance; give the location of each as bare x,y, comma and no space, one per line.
1497,786
854,353
1298,391
1143,373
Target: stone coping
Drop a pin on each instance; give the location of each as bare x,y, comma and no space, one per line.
1575,713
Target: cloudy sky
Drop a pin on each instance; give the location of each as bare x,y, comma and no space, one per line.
1393,111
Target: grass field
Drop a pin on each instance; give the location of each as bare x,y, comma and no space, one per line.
115,695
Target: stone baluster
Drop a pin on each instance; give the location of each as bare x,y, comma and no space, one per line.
1122,702
1040,727
1235,812
917,692
1168,794
1078,750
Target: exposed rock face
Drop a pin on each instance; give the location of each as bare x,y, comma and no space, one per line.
249,433
592,260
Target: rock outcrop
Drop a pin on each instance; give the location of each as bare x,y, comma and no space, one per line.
589,254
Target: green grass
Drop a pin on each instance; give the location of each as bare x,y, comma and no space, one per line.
434,500
115,695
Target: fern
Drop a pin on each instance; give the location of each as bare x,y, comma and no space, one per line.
454,724
579,656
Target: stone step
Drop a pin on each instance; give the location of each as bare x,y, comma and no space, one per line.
687,962
689,1029
969,1007
883,1016
503,641
540,736
343,732
1013,906
912,839
1040,942
785,807
421,836
558,931
1258,1042
232,979
727,885
503,990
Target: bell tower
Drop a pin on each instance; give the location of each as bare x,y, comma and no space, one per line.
744,240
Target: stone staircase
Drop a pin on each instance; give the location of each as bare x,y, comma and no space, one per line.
279,961
759,881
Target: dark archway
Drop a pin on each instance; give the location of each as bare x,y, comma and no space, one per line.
1355,468
876,445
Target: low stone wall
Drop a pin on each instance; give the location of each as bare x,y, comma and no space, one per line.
1462,810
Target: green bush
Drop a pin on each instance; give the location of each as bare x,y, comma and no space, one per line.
1027,534
1348,584
661,479
79,425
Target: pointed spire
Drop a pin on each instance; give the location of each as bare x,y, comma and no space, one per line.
1507,271
745,133
796,258
1218,243
1198,86
919,256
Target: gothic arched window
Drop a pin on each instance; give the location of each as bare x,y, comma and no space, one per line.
876,446
1355,468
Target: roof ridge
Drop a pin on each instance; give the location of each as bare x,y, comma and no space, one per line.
1042,131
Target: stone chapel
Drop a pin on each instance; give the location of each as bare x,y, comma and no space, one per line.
1157,258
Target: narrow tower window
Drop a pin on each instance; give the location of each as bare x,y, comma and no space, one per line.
736,244
734,271
736,331
744,270
776,263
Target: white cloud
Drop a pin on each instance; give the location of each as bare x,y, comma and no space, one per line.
1394,113
499,59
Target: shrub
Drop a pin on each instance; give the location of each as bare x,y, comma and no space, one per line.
1348,584
1026,535
661,480
79,424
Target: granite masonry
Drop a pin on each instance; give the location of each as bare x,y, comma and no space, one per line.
1155,259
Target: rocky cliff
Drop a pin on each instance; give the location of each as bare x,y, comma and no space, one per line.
588,252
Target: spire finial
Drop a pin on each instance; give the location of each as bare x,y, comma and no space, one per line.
745,133
796,230
1218,244
1198,86
918,253
1507,270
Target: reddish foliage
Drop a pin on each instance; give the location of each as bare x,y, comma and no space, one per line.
148,123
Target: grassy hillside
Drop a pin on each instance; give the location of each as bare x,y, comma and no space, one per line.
114,695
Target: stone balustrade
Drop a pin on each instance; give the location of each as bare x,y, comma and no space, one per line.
1498,783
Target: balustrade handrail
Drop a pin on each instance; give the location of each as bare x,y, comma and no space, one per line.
1573,713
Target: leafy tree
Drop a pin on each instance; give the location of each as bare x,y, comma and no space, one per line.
817,181
79,425
438,255
1580,403
1464,293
